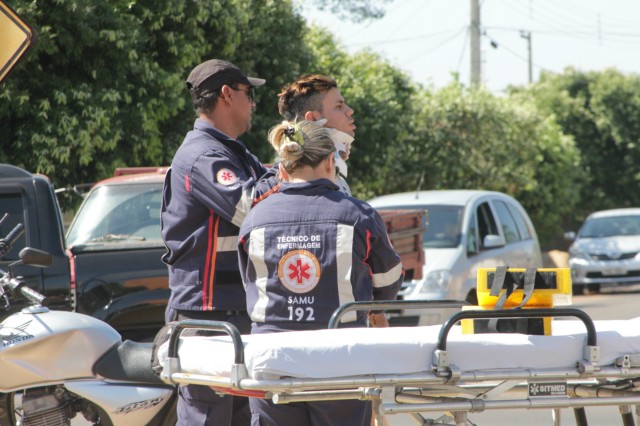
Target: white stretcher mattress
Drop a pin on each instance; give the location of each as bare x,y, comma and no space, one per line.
401,350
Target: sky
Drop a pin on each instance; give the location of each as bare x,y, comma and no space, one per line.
429,39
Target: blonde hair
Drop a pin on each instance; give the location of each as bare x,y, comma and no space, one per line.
299,144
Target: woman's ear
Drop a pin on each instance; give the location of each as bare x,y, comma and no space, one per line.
330,166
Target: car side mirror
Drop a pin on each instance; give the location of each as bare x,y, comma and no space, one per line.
493,241
570,236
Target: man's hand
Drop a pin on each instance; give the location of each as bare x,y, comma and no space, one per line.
378,321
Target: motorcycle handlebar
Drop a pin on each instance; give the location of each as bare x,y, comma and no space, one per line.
10,239
15,285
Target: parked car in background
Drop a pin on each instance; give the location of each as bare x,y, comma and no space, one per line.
606,250
465,230
115,249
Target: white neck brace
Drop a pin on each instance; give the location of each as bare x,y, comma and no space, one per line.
342,141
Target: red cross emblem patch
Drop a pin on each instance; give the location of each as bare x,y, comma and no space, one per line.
226,177
299,271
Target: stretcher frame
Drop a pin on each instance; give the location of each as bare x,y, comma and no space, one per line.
445,391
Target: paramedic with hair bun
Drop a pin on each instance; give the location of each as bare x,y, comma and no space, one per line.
306,250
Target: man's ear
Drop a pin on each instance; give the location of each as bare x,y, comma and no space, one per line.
225,93
312,116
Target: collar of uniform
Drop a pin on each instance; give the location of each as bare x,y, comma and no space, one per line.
205,126
318,184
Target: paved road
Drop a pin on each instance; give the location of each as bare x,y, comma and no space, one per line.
612,303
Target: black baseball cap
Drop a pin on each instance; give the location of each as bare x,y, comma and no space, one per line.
210,76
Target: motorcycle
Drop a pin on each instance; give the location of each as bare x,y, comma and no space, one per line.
56,364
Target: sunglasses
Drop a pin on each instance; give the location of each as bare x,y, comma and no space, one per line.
250,92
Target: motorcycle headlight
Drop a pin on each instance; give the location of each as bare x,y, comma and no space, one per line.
436,280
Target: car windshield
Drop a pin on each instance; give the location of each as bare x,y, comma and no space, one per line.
610,227
118,213
443,224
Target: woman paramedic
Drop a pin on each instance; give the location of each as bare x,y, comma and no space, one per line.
304,251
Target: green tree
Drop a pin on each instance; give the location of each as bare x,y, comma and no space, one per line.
104,84
471,139
601,110
355,10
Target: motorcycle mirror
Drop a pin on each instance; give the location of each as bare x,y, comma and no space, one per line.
35,257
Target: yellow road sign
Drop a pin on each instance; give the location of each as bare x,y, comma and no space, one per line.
15,38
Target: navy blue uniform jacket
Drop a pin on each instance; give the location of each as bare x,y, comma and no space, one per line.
207,193
310,248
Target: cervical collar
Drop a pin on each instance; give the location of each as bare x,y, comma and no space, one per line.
342,141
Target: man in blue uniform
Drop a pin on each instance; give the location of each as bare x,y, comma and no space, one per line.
306,250
207,193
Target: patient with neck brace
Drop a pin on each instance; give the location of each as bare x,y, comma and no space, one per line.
316,97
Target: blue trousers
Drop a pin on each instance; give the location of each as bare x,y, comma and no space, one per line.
200,405
323,413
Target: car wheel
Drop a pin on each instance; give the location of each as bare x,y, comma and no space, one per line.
595,288
578,289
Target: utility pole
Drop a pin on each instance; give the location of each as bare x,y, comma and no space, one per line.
527,35
475,43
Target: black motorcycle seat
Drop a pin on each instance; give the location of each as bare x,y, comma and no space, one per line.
128,361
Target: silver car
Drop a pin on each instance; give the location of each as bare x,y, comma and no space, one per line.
465,230
606,250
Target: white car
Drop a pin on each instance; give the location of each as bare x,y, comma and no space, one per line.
465,230
606,250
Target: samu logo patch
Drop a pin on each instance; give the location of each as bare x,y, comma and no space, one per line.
226,177
299,271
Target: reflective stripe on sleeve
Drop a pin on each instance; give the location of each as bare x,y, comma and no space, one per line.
344,258
227,244
384,279
243,206
256,255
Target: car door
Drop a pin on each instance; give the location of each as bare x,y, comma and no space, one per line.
480,222
521,249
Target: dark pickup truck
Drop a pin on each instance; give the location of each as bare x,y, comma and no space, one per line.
30,199
109,265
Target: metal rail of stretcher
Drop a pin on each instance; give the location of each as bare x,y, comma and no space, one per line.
445,388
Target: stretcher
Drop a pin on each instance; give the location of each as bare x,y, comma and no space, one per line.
435,374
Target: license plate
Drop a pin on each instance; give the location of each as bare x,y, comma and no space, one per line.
614,271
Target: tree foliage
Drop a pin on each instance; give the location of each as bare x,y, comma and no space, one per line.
355,10
470,139
104,85
601,110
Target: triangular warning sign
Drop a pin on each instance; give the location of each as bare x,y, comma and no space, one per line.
15,38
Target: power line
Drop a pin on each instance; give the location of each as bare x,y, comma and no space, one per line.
401,40
444,42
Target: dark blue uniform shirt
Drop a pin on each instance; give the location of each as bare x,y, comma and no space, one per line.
207,193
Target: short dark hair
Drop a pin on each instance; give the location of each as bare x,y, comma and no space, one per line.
205,104
303,95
